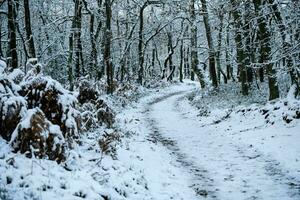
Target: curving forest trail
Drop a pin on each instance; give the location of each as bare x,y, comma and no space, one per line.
213,161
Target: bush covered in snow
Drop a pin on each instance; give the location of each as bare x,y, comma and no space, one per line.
37,115
12,107
96,113
57,103
108,143
87,91
35,135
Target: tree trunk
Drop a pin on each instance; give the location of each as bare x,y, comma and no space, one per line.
77,37
220,71
181,62
124,58
168,61
93,59
29,35
107,46
239,47
194,46
171,50
187,63
140,45
229,69
266,59
295,79
70,61
247,36
12,38
211,58
1,52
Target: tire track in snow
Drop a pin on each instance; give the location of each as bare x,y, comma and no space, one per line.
201,182
272,167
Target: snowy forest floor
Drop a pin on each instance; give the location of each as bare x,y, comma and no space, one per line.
177,142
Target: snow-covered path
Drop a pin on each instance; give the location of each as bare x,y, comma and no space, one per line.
218,167
185,158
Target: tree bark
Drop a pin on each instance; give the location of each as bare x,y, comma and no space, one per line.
140,45
247,36
12,38
194,46
211,53
220,71
29,35
70,61
93,60
295,79
1,52
181,61
107,47
77,37
229,70
266,59
239,46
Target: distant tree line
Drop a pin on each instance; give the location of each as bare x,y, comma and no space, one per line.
214,41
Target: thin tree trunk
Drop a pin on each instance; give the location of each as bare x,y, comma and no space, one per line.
140,45
171,49
70,61
12,38
94,52
168,60
157,58
187,62
1,51
77,37
29,35
247,36
211,54
229,69
220,71
152,61
194,46
264,37
123,61
181,62
239,47
107,46
93,60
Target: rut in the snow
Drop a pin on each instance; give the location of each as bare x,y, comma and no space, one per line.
271,166
273,169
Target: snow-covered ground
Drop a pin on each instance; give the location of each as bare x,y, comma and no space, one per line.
236,159
225,155
171,150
